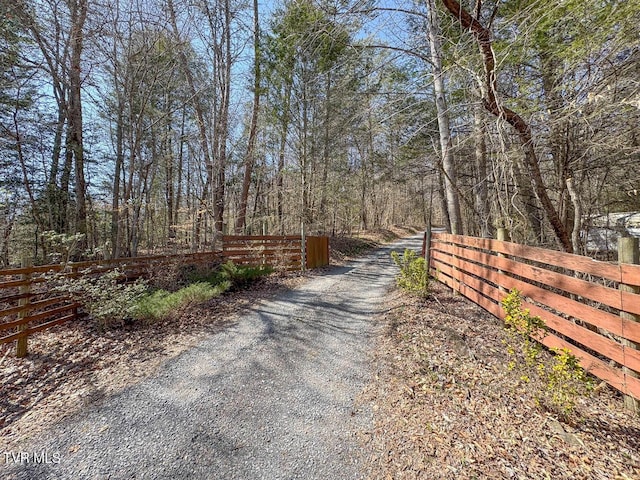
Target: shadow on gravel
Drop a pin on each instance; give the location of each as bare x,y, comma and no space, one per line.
336,270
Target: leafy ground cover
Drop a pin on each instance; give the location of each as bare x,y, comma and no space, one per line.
446,405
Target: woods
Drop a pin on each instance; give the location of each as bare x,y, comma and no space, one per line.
138,127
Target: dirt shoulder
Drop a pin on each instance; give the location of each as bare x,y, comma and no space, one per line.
347,247
446,406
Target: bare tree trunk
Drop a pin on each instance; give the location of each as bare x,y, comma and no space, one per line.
480,188
75,142
325,153
284,125
442,200
200,117
533,230
577,214
448,165
250,157
116,223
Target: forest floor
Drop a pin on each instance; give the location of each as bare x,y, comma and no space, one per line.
446,406
76,364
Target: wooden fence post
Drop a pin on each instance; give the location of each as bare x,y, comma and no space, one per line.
502,236
303,246
427,249
628,253
25,290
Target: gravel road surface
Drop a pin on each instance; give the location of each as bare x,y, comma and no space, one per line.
271,397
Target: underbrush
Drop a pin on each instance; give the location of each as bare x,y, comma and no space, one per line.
561,378
111,301
236,275
161,304
413,276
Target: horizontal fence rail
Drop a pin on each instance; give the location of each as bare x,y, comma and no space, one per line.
583,302
283,252
28,305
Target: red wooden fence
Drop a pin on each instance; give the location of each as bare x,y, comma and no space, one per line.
27,306
578,298
281,252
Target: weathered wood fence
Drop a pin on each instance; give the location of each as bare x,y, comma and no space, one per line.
590,307
27,304
284,252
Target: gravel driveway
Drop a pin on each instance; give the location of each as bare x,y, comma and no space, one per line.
271,397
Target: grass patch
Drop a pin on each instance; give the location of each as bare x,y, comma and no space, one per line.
161,304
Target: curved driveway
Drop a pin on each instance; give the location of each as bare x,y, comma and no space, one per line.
271,397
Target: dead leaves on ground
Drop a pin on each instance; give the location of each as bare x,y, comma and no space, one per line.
446,406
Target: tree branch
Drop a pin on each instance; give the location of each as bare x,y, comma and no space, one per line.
490,102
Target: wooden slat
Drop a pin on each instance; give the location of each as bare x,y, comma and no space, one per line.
230,238
478,299
479,270
29,270
592,340
579,263
478,284
39,316
259,261
17,296
272,257
630,274
613,376
262,241
261,246
32,330
457,284
270,251
569,284
20,283
31,306
605,320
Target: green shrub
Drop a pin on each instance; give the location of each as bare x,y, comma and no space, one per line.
563,380
105,297
161,304
413,275
566,381
240,275
521,324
